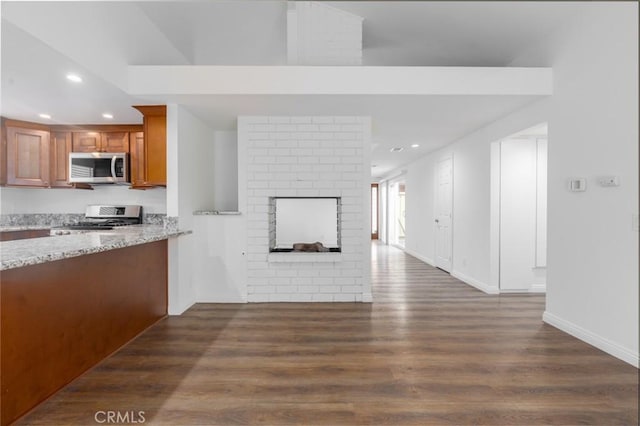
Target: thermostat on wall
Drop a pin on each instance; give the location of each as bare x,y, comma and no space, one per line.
577,184
609,181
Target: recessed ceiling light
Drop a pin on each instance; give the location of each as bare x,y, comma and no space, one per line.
74,77
396,149
415,145
107,115
47,116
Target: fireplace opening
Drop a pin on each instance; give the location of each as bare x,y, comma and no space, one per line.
310,224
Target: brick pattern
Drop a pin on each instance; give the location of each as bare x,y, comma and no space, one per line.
327,36
307,157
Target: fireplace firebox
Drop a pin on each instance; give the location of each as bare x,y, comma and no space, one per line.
296,222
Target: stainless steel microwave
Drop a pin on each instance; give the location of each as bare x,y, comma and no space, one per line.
98,167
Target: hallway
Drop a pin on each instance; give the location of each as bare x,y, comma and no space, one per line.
429,350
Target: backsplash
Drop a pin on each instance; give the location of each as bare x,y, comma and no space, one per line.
40,219
59,219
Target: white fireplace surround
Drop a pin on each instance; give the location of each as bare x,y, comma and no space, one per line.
306,157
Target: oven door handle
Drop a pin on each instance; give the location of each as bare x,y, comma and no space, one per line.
113,168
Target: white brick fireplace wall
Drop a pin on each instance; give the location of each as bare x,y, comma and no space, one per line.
320,156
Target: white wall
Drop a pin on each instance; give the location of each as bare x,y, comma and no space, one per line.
225,171
318,34
420,210
34,200
189,174
592,281
220,261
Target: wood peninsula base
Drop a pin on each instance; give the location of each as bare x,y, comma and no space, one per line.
58,319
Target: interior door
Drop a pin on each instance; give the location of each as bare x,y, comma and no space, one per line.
444,214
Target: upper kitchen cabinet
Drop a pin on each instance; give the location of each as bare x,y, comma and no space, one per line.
150,153
25,154
36,155
95,141
60,148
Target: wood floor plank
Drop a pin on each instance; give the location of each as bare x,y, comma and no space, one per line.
430,350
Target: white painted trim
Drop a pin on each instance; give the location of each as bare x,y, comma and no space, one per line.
418,256
475,283
223,300
398,246
540,288
593,339
336,80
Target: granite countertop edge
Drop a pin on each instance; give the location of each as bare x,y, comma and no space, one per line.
33,251
216,213
11,228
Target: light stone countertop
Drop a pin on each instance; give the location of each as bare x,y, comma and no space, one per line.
32,251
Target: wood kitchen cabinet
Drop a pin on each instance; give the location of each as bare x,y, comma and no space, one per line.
137,168
60,147
26,159
24,234
149,157
91,141
37,155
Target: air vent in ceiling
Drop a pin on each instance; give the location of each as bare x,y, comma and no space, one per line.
396,149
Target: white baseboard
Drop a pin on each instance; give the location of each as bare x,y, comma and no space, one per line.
172,310
367,298
475,283
221,300
593,339
538,288
418,256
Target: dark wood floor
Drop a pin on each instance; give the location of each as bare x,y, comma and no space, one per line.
430,350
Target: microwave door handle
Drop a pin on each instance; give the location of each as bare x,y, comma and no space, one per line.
113,168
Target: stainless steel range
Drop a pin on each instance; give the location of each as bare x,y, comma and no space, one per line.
105,217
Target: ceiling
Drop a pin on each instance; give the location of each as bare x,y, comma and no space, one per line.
42,41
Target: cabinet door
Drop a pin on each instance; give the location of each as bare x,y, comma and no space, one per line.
86,142
156,149
59,164
137,159
155,144
114,142
27,157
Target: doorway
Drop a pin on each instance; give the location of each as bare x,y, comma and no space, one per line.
520,163
375,208
396,224
444,214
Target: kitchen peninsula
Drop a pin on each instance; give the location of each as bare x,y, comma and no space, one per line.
69,301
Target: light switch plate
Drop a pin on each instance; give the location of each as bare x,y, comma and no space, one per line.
577,184
636,225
